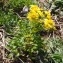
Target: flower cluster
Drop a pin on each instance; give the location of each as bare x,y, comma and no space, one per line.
49,24
41,16
35,13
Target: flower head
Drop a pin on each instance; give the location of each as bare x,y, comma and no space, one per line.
49,24
34,7
48,14
32,15
35,13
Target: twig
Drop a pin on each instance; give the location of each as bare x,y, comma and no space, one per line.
21,60
19,16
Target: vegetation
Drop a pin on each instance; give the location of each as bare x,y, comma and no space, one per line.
31,29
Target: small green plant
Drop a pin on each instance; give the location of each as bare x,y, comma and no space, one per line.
28,38
27,41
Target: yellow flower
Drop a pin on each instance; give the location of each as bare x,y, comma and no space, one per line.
49,24
48,14
32,15
40,13
34,7
35,13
